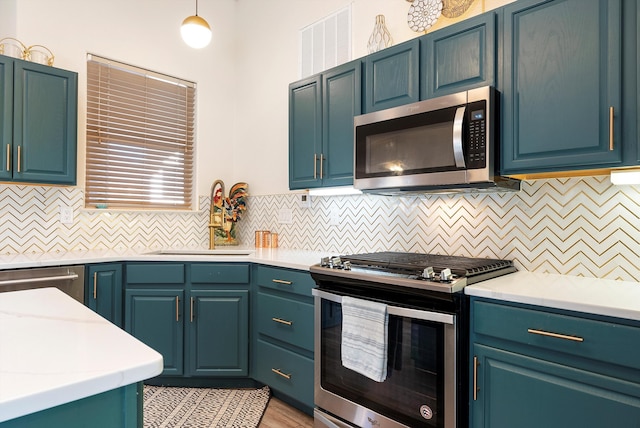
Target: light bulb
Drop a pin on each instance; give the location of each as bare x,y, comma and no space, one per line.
195,32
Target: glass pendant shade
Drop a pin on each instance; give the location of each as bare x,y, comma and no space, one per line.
195,32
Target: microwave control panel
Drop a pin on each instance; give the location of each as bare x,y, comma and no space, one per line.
477,146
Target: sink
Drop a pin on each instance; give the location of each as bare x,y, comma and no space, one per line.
216,252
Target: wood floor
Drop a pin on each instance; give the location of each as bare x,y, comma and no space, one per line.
281,415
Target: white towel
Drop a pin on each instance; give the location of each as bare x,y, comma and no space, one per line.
365,337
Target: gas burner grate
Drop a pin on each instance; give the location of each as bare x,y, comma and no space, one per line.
415,262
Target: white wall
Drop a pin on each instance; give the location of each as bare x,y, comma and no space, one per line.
242,75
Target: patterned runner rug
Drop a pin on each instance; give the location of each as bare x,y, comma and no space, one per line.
172,407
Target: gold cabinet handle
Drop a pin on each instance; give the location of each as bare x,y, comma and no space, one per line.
191,310
279,372
476,363
321,166
95,285
611,128
19,158
8,157
177,308
281,321
556,335
282,281
315,163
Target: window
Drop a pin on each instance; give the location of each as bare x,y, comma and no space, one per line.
140,130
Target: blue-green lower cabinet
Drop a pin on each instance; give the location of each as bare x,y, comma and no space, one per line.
103,291
195,314
118,408
156,317
219,333
283,333
533,367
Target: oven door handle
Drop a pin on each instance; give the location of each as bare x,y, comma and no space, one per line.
458,152
396,310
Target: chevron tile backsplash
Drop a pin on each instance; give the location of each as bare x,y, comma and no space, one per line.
576,226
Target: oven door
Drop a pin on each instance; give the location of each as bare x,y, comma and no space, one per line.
420,388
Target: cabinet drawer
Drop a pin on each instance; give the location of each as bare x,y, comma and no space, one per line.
292,281
285,371
220,273
287,320
155,273
588,338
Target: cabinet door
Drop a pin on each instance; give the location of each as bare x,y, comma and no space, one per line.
459,57
104,291
156,318
219,333
341,101
305,133
519,391
45,124
392,77
6,116
562,80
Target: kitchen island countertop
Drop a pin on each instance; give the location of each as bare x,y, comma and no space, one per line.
54,350
620,299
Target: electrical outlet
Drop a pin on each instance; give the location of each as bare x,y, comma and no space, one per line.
304,200
66,215
334,218
285,216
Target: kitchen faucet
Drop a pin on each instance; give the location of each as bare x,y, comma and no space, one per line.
216,211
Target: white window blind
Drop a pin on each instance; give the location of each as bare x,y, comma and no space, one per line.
140,131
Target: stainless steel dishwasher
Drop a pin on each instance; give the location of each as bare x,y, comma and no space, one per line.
69,279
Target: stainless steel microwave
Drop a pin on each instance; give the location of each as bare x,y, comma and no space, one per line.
448,143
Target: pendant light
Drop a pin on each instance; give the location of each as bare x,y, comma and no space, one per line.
195,31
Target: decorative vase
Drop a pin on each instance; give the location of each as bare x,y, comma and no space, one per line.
380,37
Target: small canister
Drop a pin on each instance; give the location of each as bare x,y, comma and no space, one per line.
274,240
258,239
266,239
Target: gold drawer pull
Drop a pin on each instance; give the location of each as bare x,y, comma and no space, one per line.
610,128
556,335
476,363
8,157
282,281
281,321
284,375
95,285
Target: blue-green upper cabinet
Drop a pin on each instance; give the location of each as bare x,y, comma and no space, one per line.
459,57
45,124
321,111
341,101
6,116
392,77
562,85
305,132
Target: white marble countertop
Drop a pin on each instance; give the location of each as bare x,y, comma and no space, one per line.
607,297
294,259
54,350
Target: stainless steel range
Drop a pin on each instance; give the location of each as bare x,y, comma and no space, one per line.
424,350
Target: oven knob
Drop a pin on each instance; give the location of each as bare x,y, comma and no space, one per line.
346,265
428,273
324,262
446,275
335,263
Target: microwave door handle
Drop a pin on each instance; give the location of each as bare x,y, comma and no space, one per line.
458,152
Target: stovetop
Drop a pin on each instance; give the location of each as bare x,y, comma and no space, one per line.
433,272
